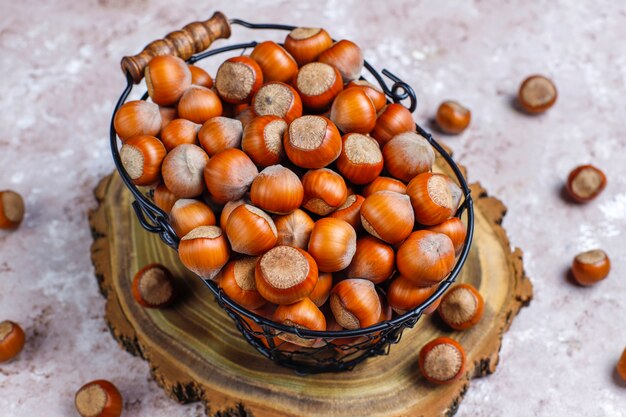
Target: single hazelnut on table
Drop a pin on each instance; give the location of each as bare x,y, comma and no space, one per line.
294,229
237,281
350,211
318,84
537,94
347,57
180,132
263,140
238,79
12,339
277,99
153,286
407,155
98,399
324,191
312,142
461,307
219,133
384,184
187,214
375,93
388,216
277,190
11,209
167,78
321,292
434,197
455,229
200,77
229,174
452,117
442,360
621,366
204,251
198,104
285,275
373,260
353,111
142,157
591,267
585,183
302,314
392,120
183,170
332,244
250,230
425,258
137,118
276,63
355,303
360,160
306,44
403,295
164,198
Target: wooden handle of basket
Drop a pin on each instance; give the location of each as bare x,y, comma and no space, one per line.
192,39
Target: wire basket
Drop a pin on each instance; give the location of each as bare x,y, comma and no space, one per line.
329,350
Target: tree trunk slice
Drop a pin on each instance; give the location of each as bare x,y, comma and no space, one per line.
196,352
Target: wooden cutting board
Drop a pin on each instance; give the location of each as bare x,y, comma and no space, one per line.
196,353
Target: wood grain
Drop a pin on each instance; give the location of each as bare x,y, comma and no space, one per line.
196,353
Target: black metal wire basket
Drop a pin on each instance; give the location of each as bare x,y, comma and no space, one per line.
331,350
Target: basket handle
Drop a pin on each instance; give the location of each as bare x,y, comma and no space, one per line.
191,39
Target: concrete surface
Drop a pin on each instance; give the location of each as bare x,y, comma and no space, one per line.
60,79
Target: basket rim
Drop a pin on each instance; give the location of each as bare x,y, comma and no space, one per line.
159,220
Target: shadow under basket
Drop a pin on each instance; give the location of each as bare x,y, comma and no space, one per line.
325,351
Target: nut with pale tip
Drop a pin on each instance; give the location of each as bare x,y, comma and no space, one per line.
285,275
250,230
153,286
238,79
302,314
12,339
219,133
355,303
204,251
318,84
442,360
99,398
306,44
277,99
263,140
142,157
183,170
324,191
237,280
11,209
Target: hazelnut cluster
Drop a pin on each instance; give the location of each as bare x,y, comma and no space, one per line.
293,184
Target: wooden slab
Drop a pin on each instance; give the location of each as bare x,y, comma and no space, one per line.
196,353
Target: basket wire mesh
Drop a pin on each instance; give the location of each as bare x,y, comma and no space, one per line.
325,351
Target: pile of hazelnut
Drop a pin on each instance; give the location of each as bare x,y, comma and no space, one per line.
295,185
